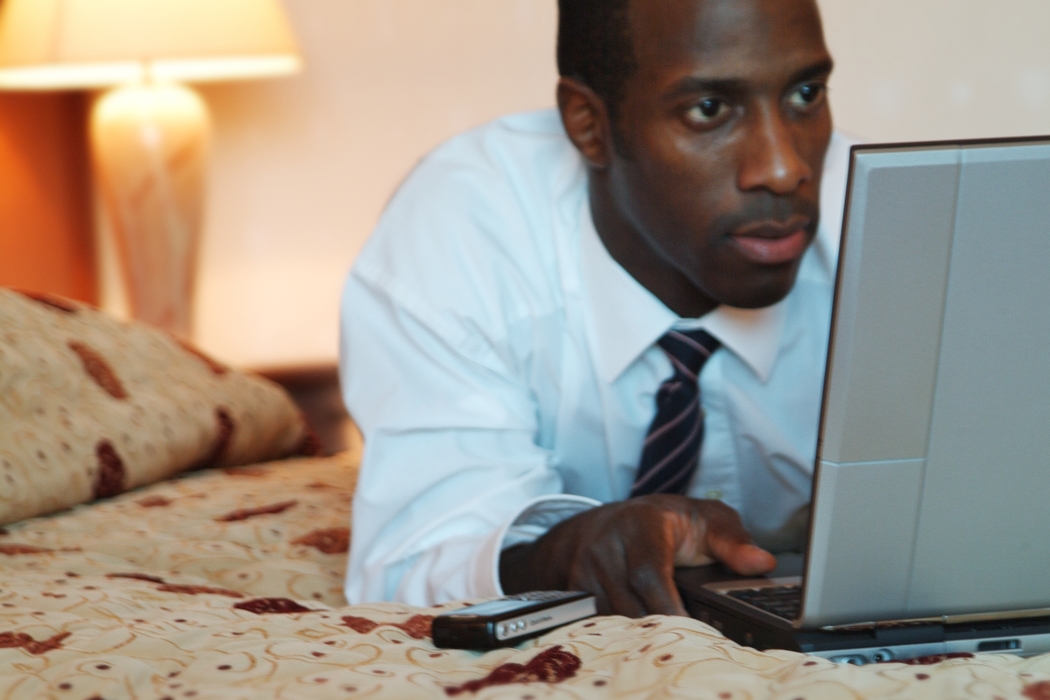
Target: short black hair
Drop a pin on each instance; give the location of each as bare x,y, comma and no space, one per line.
595,47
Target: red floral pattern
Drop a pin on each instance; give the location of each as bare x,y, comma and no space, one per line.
272,606
553,665
245,513
109,479
1037,691
211,363
332,540
9,640
416,627
99,370
154,502
199,590
224,432
362,625
52,301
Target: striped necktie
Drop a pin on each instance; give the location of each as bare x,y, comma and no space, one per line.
672,446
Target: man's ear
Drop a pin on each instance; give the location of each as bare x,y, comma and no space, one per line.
586,121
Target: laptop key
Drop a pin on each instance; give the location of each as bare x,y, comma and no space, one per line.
782,601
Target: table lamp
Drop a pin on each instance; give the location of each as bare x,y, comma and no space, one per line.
149,133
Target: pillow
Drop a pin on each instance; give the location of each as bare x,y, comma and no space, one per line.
91,406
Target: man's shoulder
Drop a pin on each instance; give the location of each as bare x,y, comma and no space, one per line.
520,128
524,128
478,224
518,155
497,187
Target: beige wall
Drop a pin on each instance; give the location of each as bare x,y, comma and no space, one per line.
936,69
304,165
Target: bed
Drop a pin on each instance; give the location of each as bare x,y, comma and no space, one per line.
213,568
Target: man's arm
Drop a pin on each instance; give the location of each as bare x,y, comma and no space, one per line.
448,307
450,456
625,553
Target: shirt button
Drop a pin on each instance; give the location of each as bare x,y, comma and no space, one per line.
713,495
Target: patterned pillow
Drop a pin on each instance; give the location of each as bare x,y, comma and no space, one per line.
91,406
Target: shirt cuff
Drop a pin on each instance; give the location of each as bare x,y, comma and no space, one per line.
532,522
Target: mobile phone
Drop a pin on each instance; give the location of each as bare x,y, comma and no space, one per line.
507,621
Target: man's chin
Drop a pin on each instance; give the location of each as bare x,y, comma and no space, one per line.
772,287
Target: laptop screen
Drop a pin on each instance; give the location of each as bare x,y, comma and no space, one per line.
933,468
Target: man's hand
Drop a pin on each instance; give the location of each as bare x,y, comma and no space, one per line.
625,553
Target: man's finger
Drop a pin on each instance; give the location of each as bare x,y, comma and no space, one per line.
657,591
614,574
745,559
606,579
611,595
624,601
734,548
728,542
584,580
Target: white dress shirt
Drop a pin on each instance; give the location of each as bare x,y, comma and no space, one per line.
503,368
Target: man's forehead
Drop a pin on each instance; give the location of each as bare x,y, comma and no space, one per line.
716,29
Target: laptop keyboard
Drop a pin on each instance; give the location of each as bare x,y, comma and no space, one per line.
782,601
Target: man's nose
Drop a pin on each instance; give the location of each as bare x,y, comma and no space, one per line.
771,159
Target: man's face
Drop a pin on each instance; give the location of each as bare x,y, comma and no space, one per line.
721,138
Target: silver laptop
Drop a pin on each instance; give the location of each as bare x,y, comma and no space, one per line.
930,525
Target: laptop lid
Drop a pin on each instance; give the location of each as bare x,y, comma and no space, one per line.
933,469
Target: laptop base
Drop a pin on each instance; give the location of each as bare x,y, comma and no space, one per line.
863,644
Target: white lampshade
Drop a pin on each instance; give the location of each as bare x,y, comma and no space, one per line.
49,44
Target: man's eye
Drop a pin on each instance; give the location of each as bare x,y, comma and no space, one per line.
807,95
707,110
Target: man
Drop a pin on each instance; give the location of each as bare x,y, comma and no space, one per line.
523,335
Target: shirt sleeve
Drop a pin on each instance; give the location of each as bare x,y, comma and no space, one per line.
451,473
442,321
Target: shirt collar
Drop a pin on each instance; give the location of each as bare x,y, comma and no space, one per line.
627,319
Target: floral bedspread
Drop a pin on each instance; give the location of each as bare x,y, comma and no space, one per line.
228,584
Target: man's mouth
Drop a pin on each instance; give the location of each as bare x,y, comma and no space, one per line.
773,242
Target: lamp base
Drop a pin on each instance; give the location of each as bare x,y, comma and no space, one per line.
150,149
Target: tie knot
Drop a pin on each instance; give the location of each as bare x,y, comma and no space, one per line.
689,350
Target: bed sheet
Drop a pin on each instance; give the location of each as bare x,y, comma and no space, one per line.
228,584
